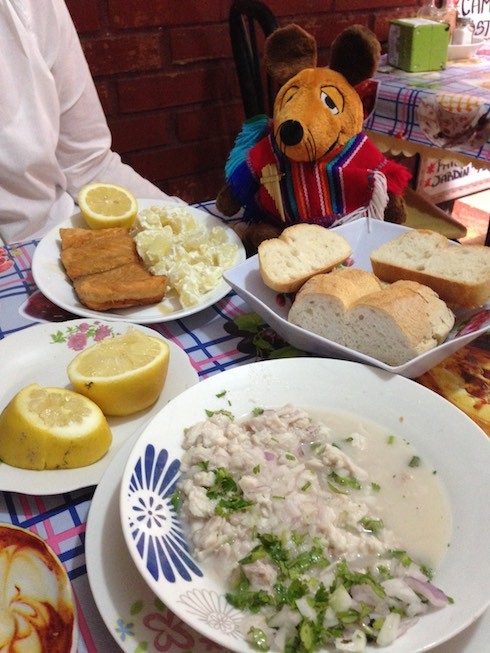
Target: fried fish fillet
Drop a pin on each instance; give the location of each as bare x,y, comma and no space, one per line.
87,252
106,270
127,285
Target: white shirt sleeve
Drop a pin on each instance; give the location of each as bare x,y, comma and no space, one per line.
54,136
84,138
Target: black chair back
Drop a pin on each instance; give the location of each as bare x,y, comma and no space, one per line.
248,19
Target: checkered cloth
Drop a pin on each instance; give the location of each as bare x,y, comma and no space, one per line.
400,94
61,519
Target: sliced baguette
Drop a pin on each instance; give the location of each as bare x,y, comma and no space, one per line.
459,274
300,252
393,323
322,303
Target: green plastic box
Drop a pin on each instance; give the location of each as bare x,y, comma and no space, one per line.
418,44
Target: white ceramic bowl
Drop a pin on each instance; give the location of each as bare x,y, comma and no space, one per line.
445,437
364,235
466,50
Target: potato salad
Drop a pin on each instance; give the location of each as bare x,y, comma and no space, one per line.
172,242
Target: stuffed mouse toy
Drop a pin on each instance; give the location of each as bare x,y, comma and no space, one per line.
311,162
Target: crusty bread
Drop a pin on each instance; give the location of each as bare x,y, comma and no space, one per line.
300,252
459,274
392,323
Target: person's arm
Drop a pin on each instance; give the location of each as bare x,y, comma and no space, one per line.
84,147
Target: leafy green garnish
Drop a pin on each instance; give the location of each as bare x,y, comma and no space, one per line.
258,639
372,525
402,556
176,499
345,481
229,414
233,504
225,490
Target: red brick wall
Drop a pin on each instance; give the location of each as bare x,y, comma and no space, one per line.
166,79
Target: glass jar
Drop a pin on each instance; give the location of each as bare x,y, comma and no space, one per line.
463,32
430,11
450,15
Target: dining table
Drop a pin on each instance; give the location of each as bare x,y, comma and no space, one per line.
217,338
440,117
444,113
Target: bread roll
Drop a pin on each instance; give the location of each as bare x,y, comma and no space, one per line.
392,324
459,274
322,303
300,252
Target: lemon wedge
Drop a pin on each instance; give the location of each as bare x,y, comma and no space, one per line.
52,428
106,205
123,374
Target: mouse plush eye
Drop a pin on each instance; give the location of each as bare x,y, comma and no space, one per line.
332,99
328,101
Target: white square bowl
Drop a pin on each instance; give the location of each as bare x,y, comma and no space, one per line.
364,235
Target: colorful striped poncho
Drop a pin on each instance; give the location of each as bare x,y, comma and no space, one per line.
272,187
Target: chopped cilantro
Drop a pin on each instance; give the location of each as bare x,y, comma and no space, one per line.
229,496
210,413
176,499
258,639
233,504
372,525
345,481
402,556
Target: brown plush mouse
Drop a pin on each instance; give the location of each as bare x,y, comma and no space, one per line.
311,162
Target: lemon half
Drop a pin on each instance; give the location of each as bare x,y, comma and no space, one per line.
106,205
52,428
123,374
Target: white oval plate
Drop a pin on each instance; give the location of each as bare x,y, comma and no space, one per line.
40,354
443,435
51,279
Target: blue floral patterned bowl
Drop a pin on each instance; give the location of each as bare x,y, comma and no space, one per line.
440,432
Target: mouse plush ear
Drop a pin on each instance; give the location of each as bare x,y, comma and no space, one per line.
287,51
355,54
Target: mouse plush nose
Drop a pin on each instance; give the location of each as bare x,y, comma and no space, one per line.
291,132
